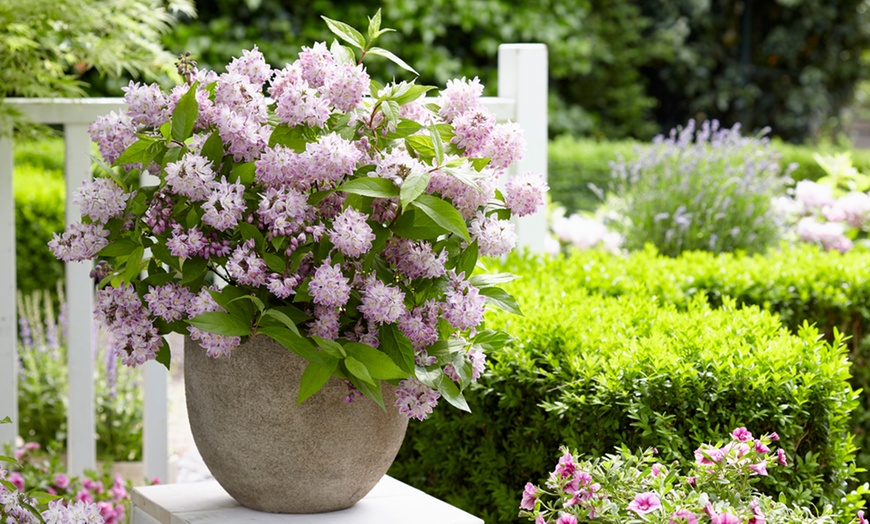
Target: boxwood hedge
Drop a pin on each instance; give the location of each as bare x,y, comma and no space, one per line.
593,372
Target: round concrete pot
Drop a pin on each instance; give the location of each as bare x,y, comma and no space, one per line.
271,454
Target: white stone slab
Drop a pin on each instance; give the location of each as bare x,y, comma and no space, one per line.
390,502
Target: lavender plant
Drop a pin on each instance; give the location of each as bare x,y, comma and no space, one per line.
343,218
706,188
628,487
43,379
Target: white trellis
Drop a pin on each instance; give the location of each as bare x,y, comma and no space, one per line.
522,98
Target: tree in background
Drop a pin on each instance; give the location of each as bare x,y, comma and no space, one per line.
46,46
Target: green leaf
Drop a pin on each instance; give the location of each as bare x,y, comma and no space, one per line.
342,54
185,114
413,186
119,248
160,252
292,137
468,259
442,213
346,32
413,93
250,232
422,144
330,347
371,390
358,369
164,356
437,144
404,129
294,342
315,376
480,163
213,149
282,318
416,225
6,420
275,263
397,346
193,269
491,339
296,315
393,58
492,279
221,324
445,350
371,187
134,266
501,299
139,151
374,25
379,364
391,111
243,174
450,391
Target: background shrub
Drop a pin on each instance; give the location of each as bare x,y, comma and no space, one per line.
701,188
594,372
40,196
797,283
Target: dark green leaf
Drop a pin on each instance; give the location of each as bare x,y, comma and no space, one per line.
416,225
221,324
380,365
393,58
443,213
315,376
397,346
282,318
467,259
185,114
330,347
162,253
213,149
139,151
370,186
292,137
295,343
501,299
275,263
413,186
134,266
370,390
193,269
450,391
164,356
346,32
296,315
250,232
243,174
119,248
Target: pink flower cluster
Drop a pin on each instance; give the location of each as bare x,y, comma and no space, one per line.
823,218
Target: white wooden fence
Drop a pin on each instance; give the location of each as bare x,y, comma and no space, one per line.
522,98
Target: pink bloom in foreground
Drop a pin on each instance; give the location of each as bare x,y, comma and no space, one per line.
415,399
742,434
525,194
724,518
566,518
780,457
530,496
759,468
644,503
760,448
683,516
329,287
861,519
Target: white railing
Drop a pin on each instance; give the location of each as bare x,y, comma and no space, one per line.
522,98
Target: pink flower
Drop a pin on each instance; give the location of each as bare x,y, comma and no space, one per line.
724,518
656,469
566,466
683,516
861,519
566,518
760,448
382,304
742,434
525,194
61,481
759,468
530,496
644,503
773,436
329,287
16,479
780,457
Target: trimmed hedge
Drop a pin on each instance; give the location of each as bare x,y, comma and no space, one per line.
594,372
574,163
40,193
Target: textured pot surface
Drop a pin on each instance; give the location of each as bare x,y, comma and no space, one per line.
272,455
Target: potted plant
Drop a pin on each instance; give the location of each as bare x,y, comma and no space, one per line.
315,246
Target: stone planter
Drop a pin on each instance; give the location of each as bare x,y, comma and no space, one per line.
272,455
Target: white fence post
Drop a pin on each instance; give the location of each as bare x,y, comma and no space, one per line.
522,76
81,419
8,326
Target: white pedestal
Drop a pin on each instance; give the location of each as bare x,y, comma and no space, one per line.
390,502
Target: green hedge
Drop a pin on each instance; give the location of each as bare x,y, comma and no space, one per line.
40,193
595,372
575,163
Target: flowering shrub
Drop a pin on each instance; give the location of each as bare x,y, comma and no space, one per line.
636,488
344,226
581,231
834,211
42,381
703,188
54,498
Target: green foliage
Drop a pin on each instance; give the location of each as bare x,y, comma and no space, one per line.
42,386
592,373
799,284
40,193
703,188
790,64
